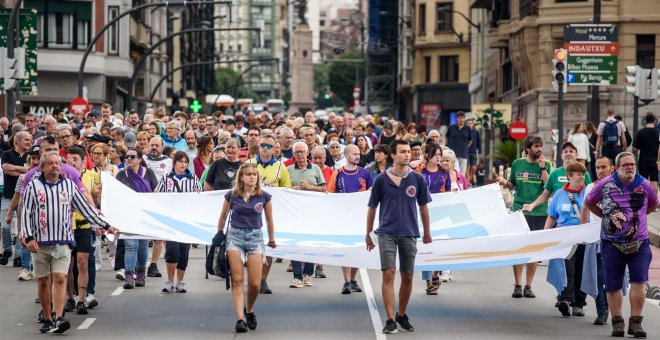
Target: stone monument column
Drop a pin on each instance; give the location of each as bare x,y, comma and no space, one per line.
302,71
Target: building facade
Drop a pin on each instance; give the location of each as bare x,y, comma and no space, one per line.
263,79
441,61
64,30
519,49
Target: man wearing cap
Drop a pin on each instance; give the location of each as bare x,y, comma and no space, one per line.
459,139
557,177
230,126
14,163
129,139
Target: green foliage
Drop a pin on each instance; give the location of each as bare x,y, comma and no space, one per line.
227,82
505,151
342,77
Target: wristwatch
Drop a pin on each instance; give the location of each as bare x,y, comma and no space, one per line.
544,168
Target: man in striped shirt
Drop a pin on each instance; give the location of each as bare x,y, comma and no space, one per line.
46,225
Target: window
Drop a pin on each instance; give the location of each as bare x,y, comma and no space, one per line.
62,24
427,69
113,32
449,68
646,51
444,16
422,19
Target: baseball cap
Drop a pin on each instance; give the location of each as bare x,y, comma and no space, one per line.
129,139
568,145
415,143
34,149
229,121
97,137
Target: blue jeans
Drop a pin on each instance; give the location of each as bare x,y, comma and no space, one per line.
428,276
6,227
601,299
135,255
26,259
298,269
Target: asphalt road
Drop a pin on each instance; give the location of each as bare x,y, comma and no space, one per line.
475,304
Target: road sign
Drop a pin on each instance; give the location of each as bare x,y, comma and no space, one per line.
518,130
78,103
591,33
27,39
607,48
592,64
590,79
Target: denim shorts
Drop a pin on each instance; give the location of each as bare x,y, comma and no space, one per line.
245,241
407,249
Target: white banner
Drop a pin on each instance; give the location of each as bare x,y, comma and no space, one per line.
471,229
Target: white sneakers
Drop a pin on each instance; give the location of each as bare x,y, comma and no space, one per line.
446,276
24,275
121,275
296,284
307,281
90,301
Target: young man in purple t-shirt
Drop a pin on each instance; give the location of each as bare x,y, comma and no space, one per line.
398,194
623,200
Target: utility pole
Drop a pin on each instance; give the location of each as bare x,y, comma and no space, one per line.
560,121
10,104
594,112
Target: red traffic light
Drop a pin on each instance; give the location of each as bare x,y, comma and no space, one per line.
560,54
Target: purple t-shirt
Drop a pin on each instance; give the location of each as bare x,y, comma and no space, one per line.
344,181
247,215
624,208
67,172
398,204
439,181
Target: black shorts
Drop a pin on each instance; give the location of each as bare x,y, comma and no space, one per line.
84,240
649,172
473,160
536,223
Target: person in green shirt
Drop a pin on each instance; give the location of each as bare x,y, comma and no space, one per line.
557,177
528,176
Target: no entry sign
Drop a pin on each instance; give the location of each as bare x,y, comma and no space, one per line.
518,130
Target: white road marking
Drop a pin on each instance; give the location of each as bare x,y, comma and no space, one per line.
371,302
88,322
655,303
118,291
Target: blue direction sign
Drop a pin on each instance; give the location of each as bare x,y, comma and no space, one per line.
591,33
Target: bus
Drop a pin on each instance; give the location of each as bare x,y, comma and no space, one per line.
275,105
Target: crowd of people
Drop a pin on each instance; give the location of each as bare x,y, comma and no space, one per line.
245,152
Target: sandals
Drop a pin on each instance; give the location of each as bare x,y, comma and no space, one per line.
435,281
431,290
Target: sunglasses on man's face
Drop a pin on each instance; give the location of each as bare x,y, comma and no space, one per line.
267,146
132,156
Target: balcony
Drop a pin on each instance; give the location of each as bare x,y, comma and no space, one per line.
139,33
262,51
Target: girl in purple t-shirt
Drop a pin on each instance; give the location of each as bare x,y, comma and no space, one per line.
247,202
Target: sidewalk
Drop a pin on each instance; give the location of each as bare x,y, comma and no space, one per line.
654,236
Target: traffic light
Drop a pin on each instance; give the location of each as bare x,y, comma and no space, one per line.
487,120
642,83
10,73
655,76
328,95
356,102
559,69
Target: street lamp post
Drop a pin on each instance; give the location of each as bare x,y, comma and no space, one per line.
143,59
98,35
9,94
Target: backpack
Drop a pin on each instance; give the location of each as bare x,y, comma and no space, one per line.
216,259
611,133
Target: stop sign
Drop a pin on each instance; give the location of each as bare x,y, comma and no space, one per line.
78,103
518,130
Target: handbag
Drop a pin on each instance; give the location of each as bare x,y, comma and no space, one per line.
216,258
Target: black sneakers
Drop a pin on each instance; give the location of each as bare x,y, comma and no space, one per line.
4,259
263,289
390,327
601,319
346,289
402,320
564,308
81,308
355,287
528,293
153,271
46,327
17,262
517,292
241,327
60,326
70,305
251,320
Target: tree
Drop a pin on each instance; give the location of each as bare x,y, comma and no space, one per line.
342,75
227,82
